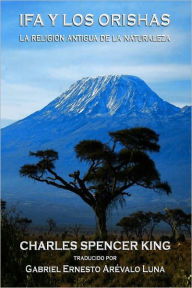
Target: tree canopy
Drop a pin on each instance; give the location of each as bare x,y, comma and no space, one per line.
112,169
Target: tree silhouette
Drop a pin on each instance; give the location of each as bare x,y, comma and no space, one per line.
24,223
75,230
3,205
13,232
187,224
176,218
128,226
154,219
113,169
135,224
52,224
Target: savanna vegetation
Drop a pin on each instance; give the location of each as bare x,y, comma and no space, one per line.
142,224
113,168
176,260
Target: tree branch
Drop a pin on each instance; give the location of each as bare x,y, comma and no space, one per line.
93,166
89,196
82,193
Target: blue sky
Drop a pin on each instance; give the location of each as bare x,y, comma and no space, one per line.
33,74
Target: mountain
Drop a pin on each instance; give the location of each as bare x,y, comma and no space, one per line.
89,109
110,95
6,122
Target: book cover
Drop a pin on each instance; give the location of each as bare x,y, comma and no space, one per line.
95,144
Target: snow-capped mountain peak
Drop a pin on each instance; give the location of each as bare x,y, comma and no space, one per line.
113,94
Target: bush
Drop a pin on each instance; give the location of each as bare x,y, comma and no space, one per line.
14,260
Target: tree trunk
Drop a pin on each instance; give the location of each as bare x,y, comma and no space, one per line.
101,221
175,233
151,233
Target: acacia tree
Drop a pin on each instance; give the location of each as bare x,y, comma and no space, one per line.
187,224
135,224
112,170
154,220
175,218
128,225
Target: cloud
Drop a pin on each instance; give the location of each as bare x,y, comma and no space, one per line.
42,67
34,77
20,100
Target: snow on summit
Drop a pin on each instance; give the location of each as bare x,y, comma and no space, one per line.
90,109
114,94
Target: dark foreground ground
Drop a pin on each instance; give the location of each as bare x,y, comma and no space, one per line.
176,264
